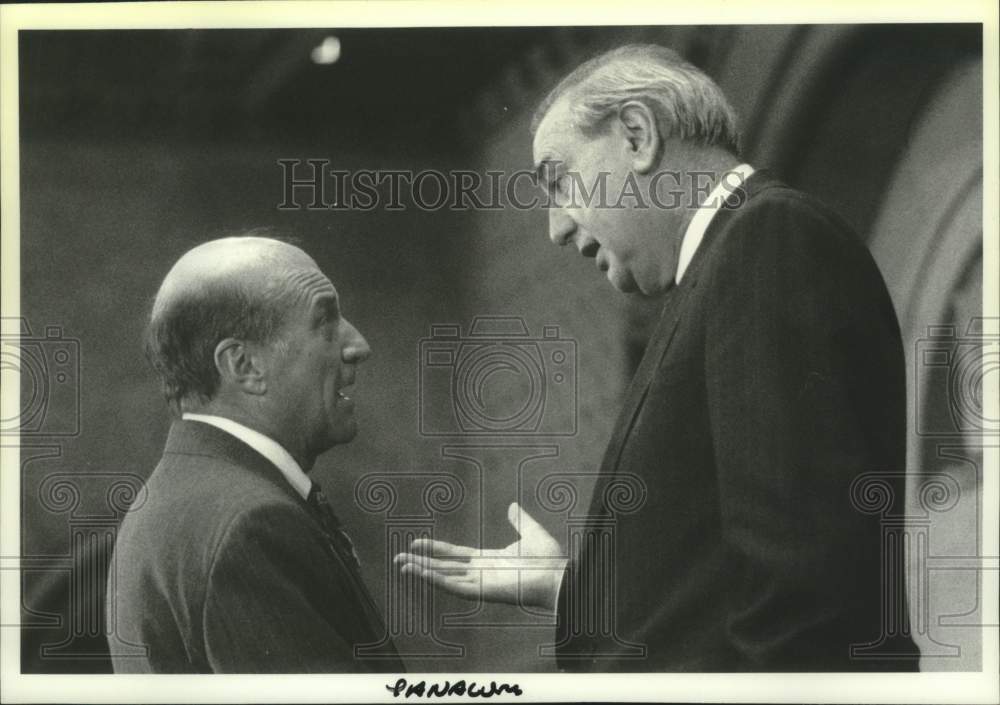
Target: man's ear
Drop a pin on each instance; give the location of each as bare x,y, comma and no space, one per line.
239,365
638,125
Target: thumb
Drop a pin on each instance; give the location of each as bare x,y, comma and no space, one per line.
523,522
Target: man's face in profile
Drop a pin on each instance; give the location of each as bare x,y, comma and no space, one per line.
312,365
620,233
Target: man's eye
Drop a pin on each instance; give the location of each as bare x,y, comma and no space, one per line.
325,323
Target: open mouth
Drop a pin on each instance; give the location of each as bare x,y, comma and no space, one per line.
340,391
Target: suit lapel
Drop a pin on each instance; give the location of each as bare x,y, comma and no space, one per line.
657,347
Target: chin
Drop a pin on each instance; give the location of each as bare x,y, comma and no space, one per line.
622,281
344,434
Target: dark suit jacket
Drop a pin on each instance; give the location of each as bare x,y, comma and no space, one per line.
773,379
225,568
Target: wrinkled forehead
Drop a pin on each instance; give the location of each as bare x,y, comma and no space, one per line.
309,284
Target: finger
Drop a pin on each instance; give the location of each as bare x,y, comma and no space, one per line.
443,549
462,587
523,522
455,566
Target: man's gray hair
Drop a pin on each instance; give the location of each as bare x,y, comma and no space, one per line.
687,104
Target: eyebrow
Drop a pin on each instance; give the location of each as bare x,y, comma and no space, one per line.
541,169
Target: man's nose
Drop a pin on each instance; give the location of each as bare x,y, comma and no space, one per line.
561,226
355,347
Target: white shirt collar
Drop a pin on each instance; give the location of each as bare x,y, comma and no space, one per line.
706,211
267,447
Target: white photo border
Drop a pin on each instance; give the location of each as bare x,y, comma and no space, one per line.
778,688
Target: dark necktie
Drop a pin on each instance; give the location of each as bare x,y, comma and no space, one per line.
342,542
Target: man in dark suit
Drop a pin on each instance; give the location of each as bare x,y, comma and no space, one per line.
233,561
772,384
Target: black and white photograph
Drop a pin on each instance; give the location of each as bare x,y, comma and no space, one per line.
397,351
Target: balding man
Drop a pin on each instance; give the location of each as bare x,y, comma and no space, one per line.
773,382
234,562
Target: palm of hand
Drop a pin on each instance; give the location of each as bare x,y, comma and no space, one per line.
527,572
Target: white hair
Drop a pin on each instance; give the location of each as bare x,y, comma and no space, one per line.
687,104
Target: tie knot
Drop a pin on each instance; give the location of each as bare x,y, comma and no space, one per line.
316,495
317,500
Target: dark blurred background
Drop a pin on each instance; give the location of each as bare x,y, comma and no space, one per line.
137,145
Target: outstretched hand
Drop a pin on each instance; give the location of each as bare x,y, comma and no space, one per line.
527,572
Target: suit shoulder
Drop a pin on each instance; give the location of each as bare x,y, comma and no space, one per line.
191,502
787,242
780,224
224,485
784,210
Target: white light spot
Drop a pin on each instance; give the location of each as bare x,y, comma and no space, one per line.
326,52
